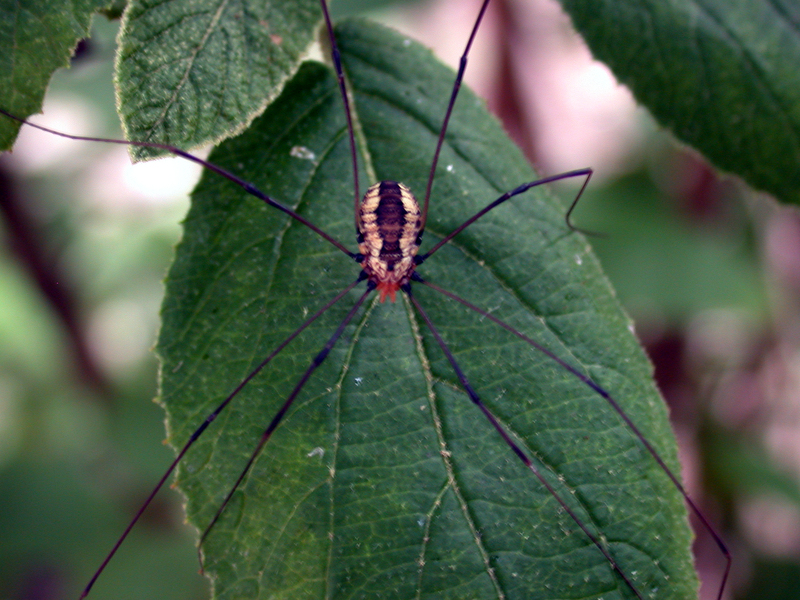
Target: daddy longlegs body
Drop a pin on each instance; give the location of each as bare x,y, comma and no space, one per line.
412,455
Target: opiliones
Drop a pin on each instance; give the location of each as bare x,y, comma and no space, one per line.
452,517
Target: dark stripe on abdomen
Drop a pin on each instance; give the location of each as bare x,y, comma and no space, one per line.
390,213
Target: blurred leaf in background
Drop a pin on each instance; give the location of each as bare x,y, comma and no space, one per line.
85,249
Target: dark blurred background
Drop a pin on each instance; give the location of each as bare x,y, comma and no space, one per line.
708,269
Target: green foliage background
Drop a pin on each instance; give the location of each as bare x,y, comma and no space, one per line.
82,442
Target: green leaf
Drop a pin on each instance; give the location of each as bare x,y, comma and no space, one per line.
36,38
384,480
721,74
190,72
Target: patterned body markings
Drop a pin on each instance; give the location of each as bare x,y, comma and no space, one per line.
389,235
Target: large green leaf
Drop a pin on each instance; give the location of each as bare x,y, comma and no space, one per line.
721,74
384,481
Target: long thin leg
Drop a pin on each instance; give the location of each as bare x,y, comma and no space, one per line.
617,408
462,66
208,420
337,66
318,360
568,216
473,395
248,187
587,173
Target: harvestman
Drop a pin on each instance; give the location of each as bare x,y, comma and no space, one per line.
390,225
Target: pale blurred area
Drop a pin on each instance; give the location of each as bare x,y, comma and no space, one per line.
708,269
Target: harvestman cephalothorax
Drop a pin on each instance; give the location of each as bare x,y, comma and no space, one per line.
412,456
